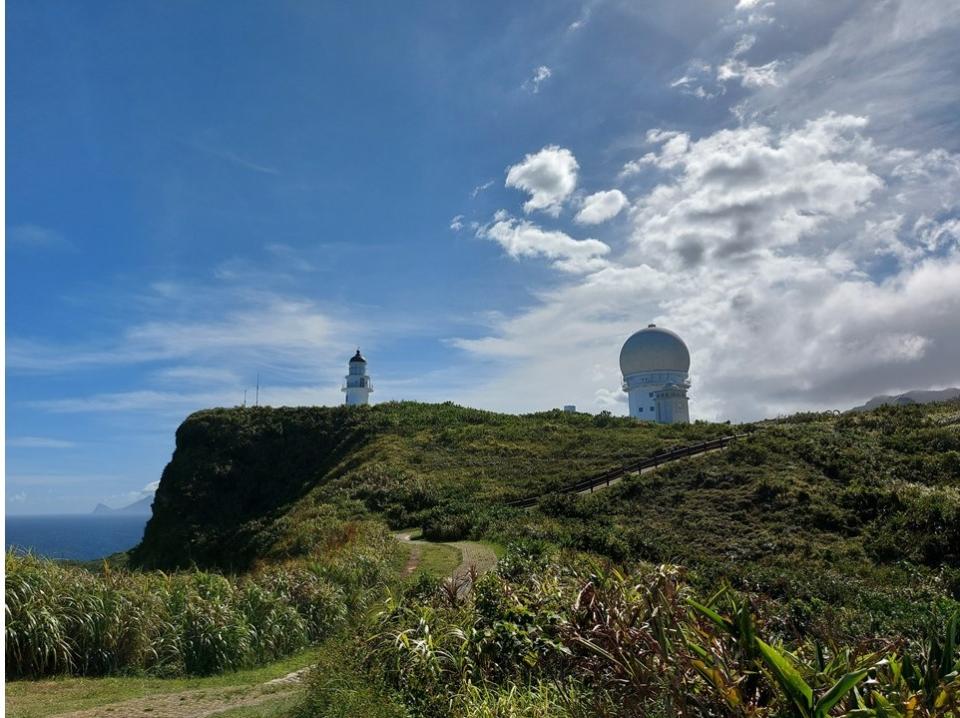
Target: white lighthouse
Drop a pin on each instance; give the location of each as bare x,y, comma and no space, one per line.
357,386
654,363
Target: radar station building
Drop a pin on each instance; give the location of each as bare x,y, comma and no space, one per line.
655,364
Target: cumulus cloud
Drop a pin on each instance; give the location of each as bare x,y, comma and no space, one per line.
601,206
456,224
540,75
739,191
806,266
549,176
525,239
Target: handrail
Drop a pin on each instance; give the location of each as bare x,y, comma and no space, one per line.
606,477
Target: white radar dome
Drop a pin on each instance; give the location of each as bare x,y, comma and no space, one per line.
654,349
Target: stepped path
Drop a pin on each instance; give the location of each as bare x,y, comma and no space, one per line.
646,470
618,473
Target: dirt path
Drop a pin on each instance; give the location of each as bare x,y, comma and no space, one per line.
416,552
197,703
188,704
647,470
473,555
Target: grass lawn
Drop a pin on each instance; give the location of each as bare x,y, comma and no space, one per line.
437,559
37,699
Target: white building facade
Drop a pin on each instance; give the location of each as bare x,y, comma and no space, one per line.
655,363
357,384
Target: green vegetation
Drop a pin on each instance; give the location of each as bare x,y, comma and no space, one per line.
852,520
49,697
258,483
820,555
558,635
64,619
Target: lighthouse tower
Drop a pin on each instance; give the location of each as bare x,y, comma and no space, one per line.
357,386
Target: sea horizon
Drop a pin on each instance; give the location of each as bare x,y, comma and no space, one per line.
77,537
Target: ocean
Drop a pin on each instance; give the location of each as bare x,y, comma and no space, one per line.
78,537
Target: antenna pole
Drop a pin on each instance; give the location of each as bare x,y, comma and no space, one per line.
244,398
258,389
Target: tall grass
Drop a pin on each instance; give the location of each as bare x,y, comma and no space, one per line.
66,620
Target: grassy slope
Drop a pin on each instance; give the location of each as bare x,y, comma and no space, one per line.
253,483
860,510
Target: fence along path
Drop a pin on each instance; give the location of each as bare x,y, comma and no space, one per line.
608,477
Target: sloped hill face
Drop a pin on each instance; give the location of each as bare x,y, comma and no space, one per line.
234,473
850,511
259,482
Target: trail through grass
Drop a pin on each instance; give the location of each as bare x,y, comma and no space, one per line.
451,559
158,697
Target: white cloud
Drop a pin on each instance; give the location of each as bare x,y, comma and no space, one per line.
895,60
549,176
456,224
750,75
198,375
481,188
263,329
760,246
32,236
540,75
739,191
38,442
525,239
601,206
743,44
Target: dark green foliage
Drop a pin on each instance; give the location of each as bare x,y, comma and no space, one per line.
868,502
581,638
66,619
247,483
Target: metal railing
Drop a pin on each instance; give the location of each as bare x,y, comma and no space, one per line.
604,479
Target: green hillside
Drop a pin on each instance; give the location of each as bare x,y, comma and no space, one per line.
810,568
848,512
249,483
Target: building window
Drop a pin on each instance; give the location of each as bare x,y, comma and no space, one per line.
651,408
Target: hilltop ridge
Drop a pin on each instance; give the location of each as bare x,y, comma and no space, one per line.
867,503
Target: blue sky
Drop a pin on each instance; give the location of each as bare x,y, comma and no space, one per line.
486,197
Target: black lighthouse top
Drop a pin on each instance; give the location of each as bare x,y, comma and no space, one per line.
358,357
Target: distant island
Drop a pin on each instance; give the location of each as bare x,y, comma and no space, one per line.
140,507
